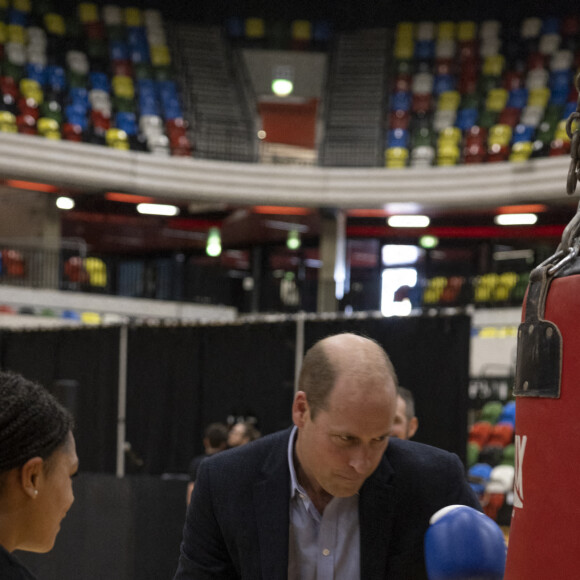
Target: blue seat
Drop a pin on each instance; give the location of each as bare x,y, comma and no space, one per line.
560,78
551,25
36,72
55,78
118,50
99,81
425,50
466,118
173,111
559,96
137,36
235,27
321,32
401,101
398,138
139,54
17,17
569,108
523,133
517,98
443,83
149,106
127,122
79,95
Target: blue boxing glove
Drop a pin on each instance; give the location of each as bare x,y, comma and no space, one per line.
464,544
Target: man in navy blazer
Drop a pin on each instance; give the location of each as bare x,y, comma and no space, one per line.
331,497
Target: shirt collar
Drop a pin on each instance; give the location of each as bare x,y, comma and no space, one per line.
295,487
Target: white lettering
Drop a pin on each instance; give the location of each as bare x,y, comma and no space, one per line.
520,441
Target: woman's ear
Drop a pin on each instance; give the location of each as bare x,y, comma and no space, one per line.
30,475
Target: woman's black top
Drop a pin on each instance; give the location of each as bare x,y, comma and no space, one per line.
12,569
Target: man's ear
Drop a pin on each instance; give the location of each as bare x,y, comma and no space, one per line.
300,409
30,476
413,426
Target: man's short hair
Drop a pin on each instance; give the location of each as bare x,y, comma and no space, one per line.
319,373
216,434
407,396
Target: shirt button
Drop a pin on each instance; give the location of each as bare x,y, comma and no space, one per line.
325,552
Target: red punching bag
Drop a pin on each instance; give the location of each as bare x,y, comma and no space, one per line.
545,526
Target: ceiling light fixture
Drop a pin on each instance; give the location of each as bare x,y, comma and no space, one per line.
65,203
157,209
408,221
293,241
515,219
213,247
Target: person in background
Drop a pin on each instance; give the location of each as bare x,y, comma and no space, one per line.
331,497
406,424
241,433
215,439
37,461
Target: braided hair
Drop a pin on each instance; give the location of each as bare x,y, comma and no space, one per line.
32,422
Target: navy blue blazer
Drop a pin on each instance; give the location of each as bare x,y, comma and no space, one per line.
237,524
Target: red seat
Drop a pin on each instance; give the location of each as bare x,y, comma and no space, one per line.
422,103
399,120
537,60
513,80
444,66
72,132
403,82
122,68
509,116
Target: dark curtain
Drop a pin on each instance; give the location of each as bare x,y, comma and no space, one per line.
431,358
86,360
249,370
164,413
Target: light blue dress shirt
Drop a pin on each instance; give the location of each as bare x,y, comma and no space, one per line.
322,547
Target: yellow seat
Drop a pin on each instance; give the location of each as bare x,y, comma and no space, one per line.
405,31
160,55
91,318
466,30
496,100
48,128
539,97
54,24
449,101
29,86
448,154
8,122
493,65
404,50
20,5
509,279
431,296
521,151
133,16
396,157
16,34
301,30
123,87
446,30
3,33
88,12
97,271
117,139
499,135
449,136
560,132
255,28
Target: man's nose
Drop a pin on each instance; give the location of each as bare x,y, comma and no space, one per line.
360,460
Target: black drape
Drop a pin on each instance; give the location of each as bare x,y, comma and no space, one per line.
249,370
164,413
87,359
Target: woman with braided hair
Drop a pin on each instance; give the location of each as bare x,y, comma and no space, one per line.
37,460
